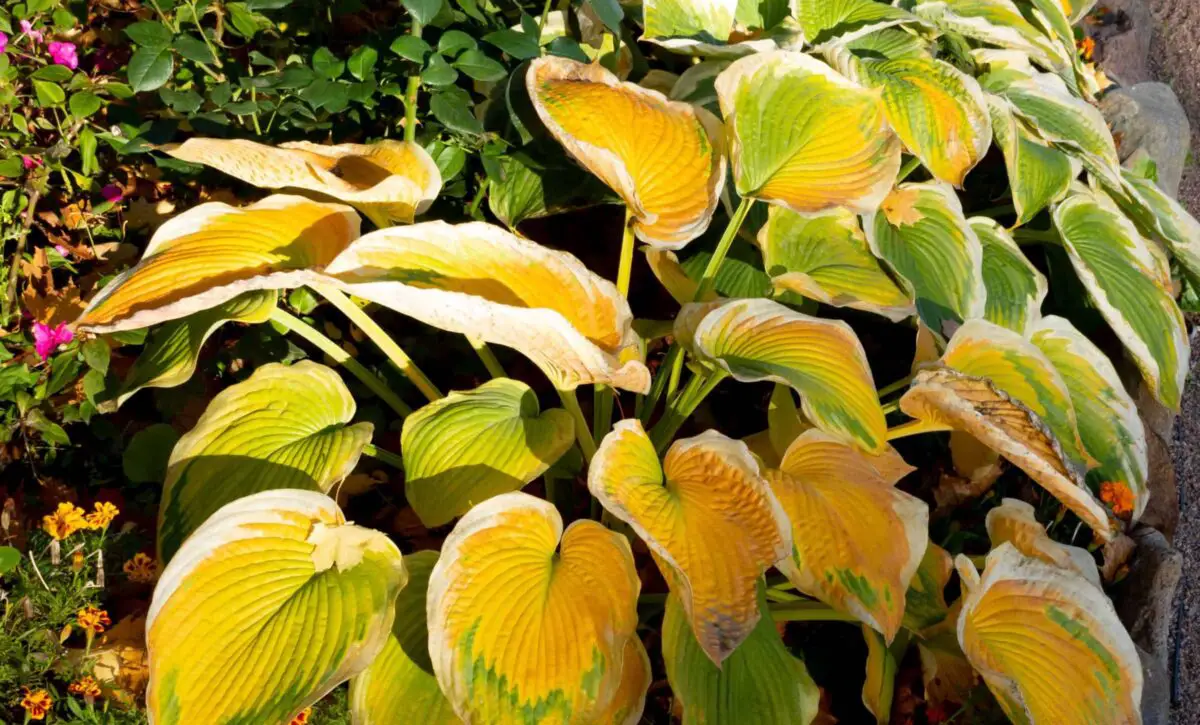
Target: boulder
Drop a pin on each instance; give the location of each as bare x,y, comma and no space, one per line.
1145,598
1147,117
1156,690
1123,36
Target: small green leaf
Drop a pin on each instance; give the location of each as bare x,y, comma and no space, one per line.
96,354
194,49
454,42
52,432
149,68
49,94
423,11
145,458
567,48
438,72
181,101
9,558
411,48
84,104
362,62
149,34
52,73
518,45
477,65
450,160
244,21
452,109
327,64
609,12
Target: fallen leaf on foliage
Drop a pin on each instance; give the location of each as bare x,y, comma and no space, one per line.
53,307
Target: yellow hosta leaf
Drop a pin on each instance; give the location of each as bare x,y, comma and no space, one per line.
822,360
469,446
880,682
215,252
672,276
805,137
284,427
636,677
708,516
761,682
1013,522
858,539
399,685
1015,288
1048,643
389,181
269,605
665,159
825,257
480,280
523,628
1109,426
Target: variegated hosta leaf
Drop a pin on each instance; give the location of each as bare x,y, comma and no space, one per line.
824,21
880,682
215,252
706,514
889,44
269,605
480,280
469,446
858,539
1039,175
995,22
760,683
825,257
938,111
1037,632
523,628
925,600
673,23
284,427
171,353
1013,521
921,232
389,181
399,685
1131,285
665,159
805,137
1002,390
1109,425
1070,122
1015,288
1170,221
822,360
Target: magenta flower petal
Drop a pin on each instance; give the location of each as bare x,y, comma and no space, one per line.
3,41
27,29
43,340
112,193
30,162
64,54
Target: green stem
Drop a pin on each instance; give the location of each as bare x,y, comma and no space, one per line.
660,383
625,270
204,37
410,95
382,340
341,357
387,457
602,406
709,280
1036,236
542,20
479,194
487,357
807,611
682,408
908,167
994,211
891,407
583,434
900,384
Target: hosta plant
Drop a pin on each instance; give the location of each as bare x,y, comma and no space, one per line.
915,172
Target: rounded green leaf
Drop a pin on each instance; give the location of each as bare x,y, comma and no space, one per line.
1015,288
270,604
1038,174
284,427
470,446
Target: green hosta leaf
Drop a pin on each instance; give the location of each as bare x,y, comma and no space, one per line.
522,192
889,44
1131,285
399,685
1109,425
469,447
844,20
1039,174
761,682
1165,217
149,68
173,350
925,600
1015,288
995,22
696,20
922,233
1062,119
145,459
272,603
284,427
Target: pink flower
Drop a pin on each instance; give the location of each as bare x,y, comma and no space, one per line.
64,54
3,41
63,251
27,29
47,340
112,193
30,162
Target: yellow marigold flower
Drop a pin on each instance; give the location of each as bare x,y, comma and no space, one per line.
78,560
141,568
302,718
1118,497
66,520
36,703
86,687
103,515
93,619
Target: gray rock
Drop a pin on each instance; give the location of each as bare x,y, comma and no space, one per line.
1123,41
1145,599
1156,690
1162,511
1148,117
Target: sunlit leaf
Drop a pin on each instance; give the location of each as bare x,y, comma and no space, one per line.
761,682
272,603
825,257
704,21
844,20
921,232
673,277
708,516
1169,220
1039,175
1013,521
994,22
858,539
1015,288
889,44
480,280
284,427
1109,425
664,158
1130,284
469,446
636,677
389,181
822,360
173,350
525,629
215,252
1048,643
804,136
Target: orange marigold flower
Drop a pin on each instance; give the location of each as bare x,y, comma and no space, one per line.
78,560
1118,496
103,515
1087,47
86,687
302,718
93,619
141,568
66,520
36,703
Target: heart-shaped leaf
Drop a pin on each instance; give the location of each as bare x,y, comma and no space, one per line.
1015,288
1014,522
